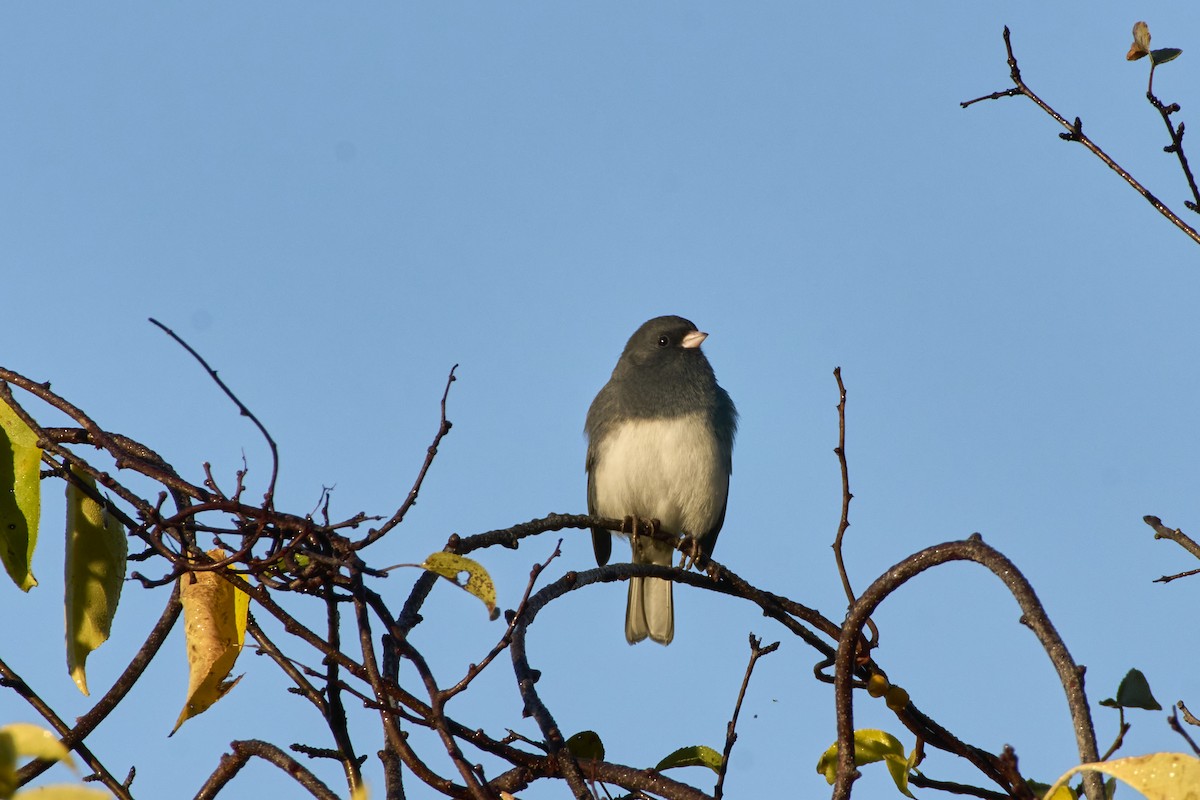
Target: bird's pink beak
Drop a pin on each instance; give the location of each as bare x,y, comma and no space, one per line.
693,340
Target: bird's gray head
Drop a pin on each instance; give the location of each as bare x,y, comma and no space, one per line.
662,342
662,372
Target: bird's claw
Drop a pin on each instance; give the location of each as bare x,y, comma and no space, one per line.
692,553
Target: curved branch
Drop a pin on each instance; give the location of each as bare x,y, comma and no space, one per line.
1033,615
231,764
242,409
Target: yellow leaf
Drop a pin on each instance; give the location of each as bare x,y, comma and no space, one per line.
20,497
63,791
23,739
95,571
359,792
871,745
1141,42
1063,793
214,615
478,583
1159,776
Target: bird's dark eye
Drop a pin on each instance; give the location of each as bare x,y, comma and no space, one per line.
663,341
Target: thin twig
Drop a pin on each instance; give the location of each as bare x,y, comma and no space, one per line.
1176,726
231,764
757,651
1122,729
444,426
87,723
1075,134
474,670
12,680
269,499
335,712
1176,145
1175,535
844,522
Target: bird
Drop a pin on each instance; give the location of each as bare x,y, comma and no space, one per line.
659,447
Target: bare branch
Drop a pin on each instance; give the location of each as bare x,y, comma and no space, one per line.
444,426
1033,615
243,751
1075,134
757,651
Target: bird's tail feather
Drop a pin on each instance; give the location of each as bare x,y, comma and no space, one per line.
650,610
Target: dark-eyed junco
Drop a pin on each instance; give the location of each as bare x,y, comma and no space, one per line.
660,446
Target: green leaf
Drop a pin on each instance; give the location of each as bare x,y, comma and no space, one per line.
478,582
1134,692
586,744
20,497
698,755
95,572
1164,54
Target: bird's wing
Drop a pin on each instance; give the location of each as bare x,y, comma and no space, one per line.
709,540
601,538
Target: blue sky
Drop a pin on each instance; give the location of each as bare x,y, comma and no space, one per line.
336,204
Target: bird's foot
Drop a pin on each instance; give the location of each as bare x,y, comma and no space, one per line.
630,526
692,553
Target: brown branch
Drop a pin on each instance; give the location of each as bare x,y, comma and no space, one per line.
1175,535
1075,134
437,720
266,646
1122,729
397,742
12,680
231,764
474,670
844,522
444,426
335,712
269,498
72,738
757,651
1176,145
924,782
1176,726
1033,616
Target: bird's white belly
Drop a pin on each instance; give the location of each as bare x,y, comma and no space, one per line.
664,469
